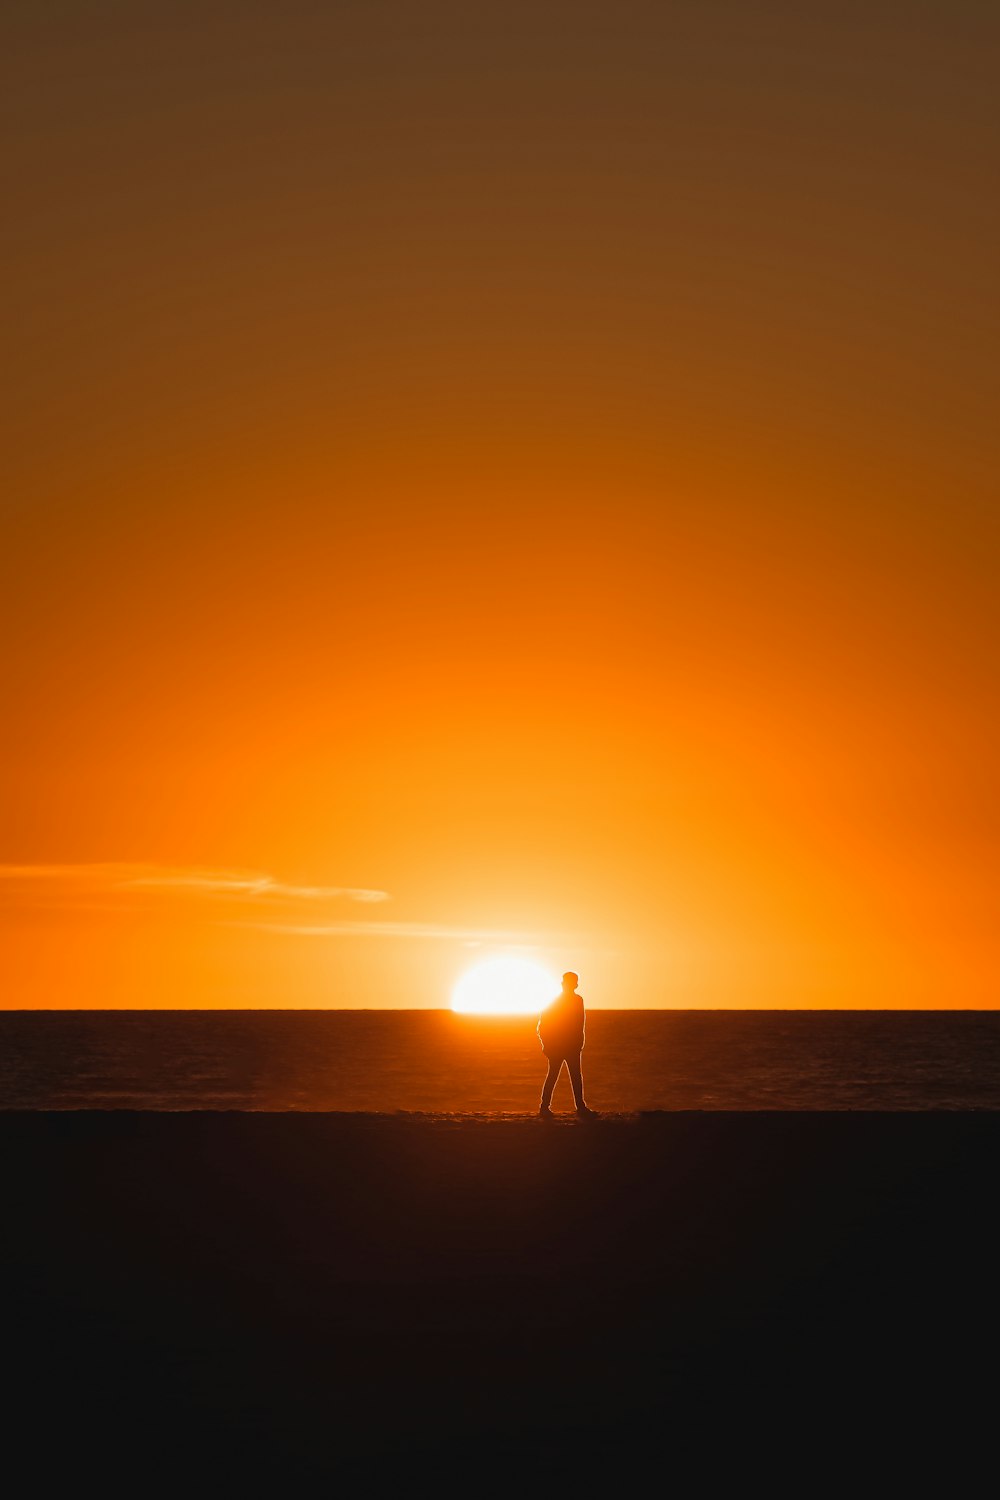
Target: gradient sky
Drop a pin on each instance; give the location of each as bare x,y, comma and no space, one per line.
500,477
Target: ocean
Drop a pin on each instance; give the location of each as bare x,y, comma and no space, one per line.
433,1061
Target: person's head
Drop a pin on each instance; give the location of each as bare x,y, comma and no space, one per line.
570,980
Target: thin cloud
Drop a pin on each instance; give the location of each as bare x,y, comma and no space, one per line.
398,929
251,885
236,898
66,883
88,874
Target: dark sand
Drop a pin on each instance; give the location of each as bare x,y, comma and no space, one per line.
297,1303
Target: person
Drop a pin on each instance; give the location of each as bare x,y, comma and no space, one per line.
561,1031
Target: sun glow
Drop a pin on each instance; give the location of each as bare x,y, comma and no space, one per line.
504,986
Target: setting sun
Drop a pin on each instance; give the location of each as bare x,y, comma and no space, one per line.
504,986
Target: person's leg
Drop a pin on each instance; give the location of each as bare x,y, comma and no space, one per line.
574,1067
555,1064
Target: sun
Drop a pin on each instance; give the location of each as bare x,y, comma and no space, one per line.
504,987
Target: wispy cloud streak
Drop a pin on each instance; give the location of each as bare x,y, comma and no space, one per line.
398,929
68,882
233,898
250,885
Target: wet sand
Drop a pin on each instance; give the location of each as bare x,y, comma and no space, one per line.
261,1301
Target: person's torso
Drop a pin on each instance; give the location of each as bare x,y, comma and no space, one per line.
561,1024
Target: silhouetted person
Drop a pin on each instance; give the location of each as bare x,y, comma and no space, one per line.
561,1028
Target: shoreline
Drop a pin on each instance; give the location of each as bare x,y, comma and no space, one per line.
320,1297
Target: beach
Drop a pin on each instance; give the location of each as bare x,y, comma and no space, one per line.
276,1300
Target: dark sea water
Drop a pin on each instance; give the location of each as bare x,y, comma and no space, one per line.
433,1061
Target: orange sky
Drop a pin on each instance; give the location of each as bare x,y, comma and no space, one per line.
500,478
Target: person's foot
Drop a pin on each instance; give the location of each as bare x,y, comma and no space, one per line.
545,1113
585,1112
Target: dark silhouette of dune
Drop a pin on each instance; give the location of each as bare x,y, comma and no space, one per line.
272,1300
